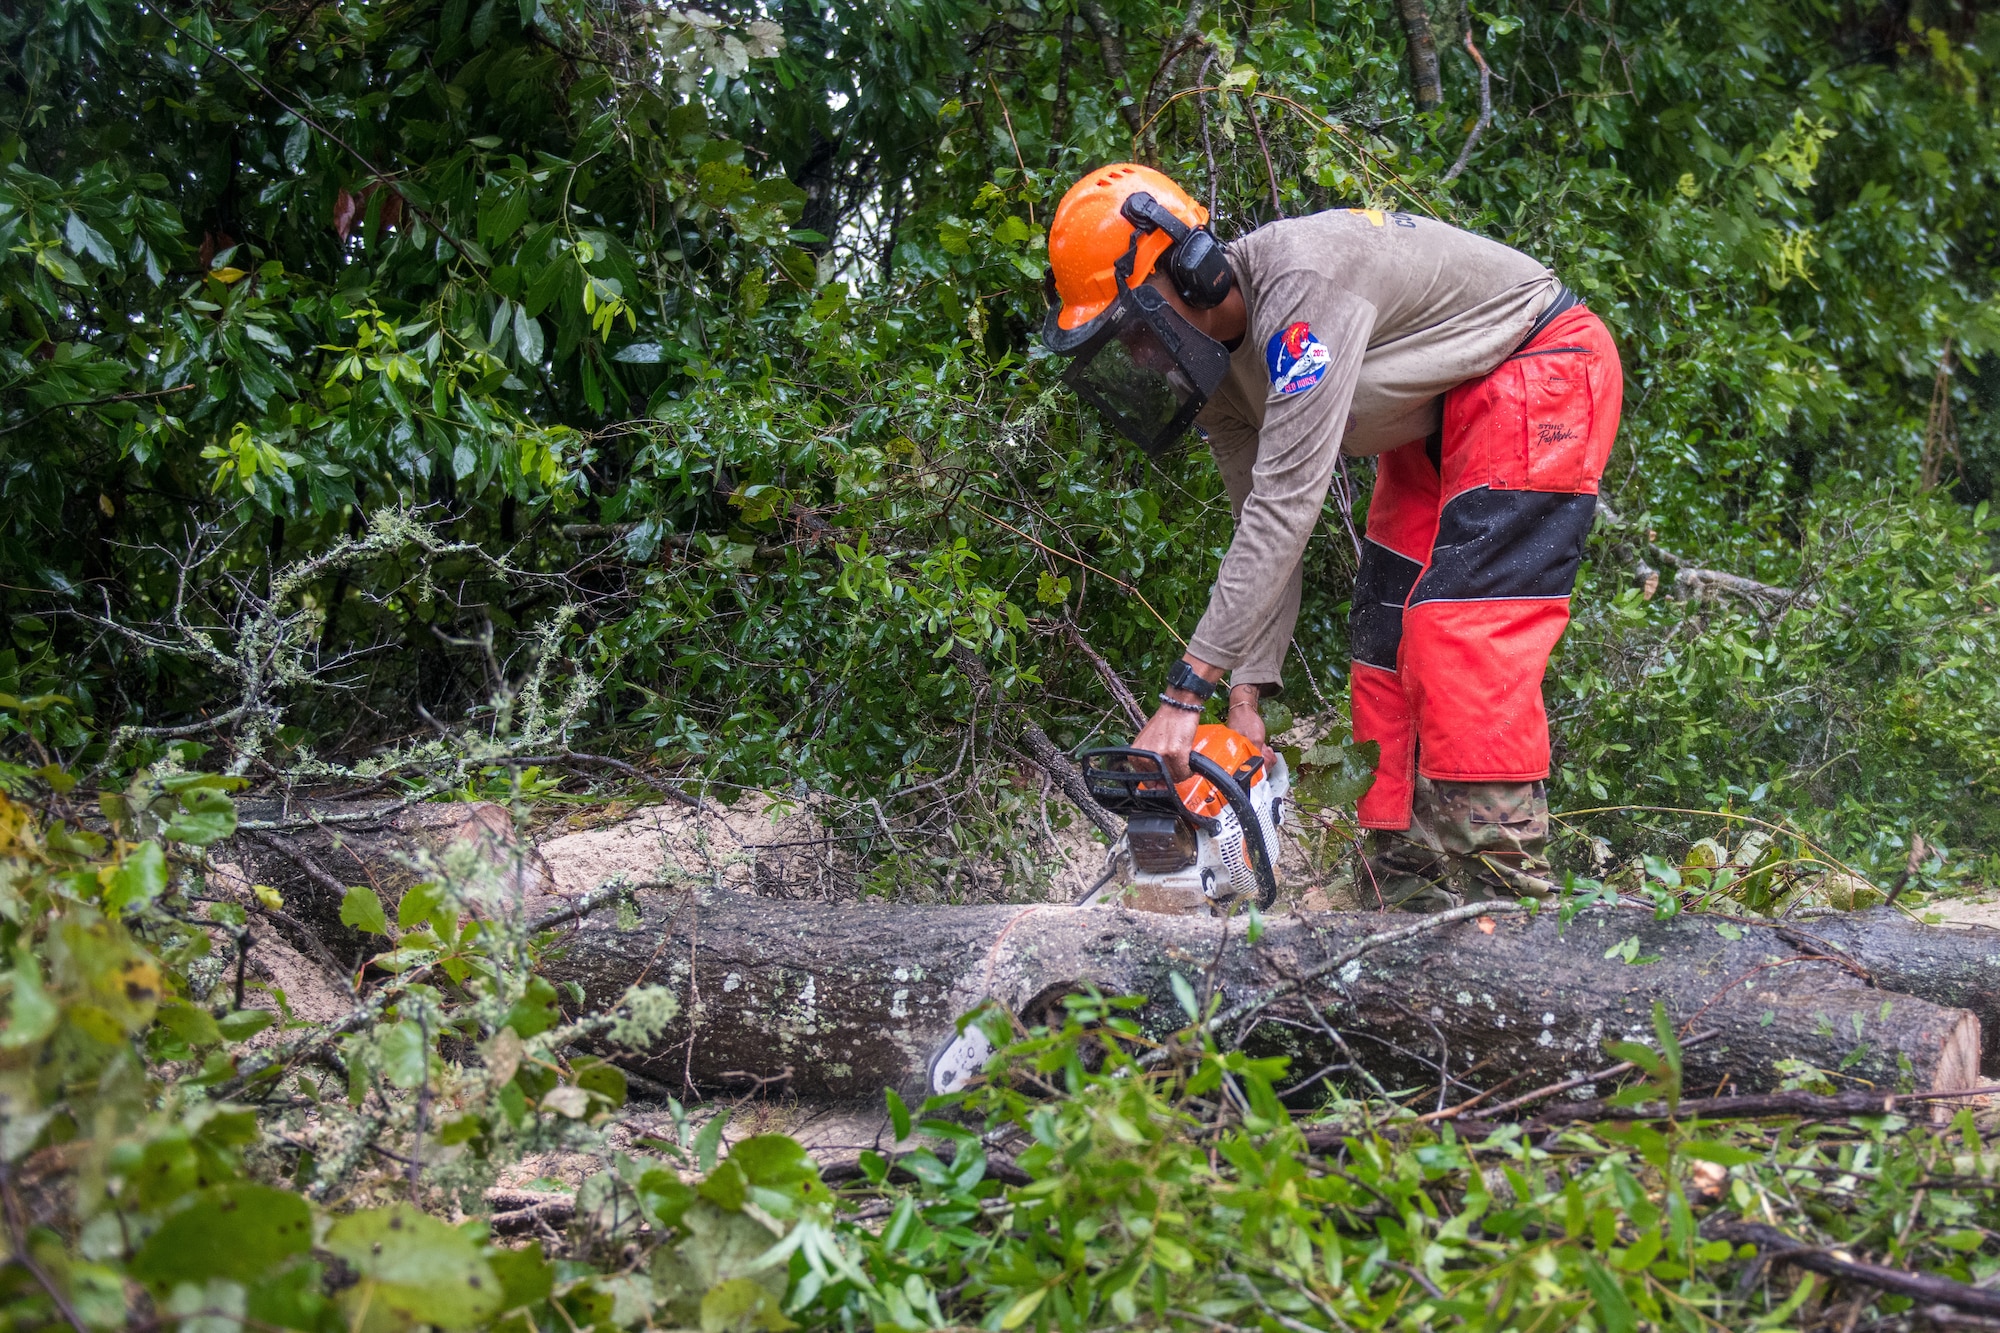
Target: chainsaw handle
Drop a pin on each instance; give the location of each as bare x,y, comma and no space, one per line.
1129,789
1253,828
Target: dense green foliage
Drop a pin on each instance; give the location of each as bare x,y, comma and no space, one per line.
721,328
177,1150
424,392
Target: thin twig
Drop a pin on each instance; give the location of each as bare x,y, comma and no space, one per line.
1584,1080
1019,161
1121,693
1916,858
1382,939
1207,143
1485,109
1765,1105
582,907
337,141
1270,172
94,402
606,761
17,1241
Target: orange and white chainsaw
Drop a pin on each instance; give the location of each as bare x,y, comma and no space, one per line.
1215,833
1205,844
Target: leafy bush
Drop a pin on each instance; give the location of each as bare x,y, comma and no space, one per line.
167,1156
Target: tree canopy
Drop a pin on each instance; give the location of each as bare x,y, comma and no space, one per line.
702,340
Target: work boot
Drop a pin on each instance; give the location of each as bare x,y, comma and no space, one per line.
1466,841
1401,874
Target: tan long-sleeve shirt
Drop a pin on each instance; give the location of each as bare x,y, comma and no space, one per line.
1395,310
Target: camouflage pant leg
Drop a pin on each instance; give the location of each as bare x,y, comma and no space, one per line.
1455,829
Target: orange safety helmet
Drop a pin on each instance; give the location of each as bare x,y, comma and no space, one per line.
1089,235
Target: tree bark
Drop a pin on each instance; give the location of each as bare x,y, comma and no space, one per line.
840,1002
375,845
1425,83
1112,46
1956,967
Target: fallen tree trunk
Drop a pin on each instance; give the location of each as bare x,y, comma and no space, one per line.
312,860
840,1002
1959,967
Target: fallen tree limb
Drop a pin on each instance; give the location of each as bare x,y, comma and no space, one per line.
1780,1248
1759,1106
1051,760
312,867
1693,582
852,999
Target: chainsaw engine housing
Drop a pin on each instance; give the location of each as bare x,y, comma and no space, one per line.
1204,842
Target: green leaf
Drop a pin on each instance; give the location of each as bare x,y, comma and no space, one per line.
412,1265
86,239
206,816
61,265
1184,993
142,878
1614,1311
535,1012
404,1054
773,1161
238,1231
362,910
192,1024
33,1014
603,1078
726,1186
741,1303
1722,1154
419,902
640,354
708,1141
244,1023
899,1114
528,335
525,1277
664,1196
1023,1308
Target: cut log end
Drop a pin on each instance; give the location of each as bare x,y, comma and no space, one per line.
1958,1067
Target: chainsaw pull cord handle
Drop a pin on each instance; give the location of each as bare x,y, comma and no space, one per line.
1253,827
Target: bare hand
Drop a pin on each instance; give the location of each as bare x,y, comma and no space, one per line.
1246,721
1169,733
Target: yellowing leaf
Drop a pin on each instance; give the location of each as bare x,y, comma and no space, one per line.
226,275
1018,1313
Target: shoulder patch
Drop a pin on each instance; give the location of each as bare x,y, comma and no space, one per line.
1297,360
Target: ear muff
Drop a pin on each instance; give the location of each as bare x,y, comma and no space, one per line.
1200,269
1196,262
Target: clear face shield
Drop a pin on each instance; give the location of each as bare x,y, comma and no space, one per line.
1143,367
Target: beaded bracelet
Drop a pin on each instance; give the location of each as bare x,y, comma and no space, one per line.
1172,702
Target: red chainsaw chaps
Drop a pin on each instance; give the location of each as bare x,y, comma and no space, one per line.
1382,714
1497,525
